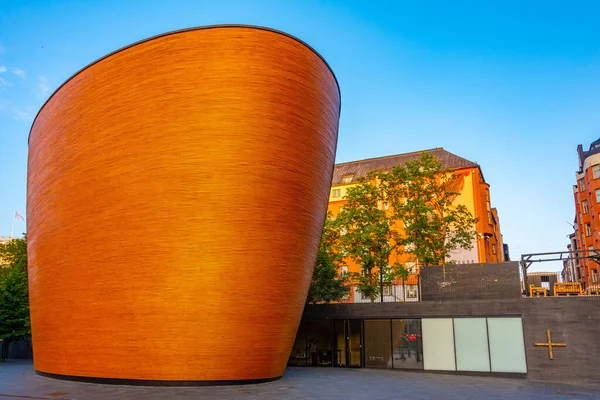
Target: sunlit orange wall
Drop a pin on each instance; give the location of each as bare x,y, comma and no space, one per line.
176,195
472,195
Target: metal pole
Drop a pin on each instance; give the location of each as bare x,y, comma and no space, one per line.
381,284
12,229
524,268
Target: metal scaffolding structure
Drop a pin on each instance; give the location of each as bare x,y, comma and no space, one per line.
528,259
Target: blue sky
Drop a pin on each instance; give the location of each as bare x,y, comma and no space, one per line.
511,85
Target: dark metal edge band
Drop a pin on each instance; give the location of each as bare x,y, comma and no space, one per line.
148,382
196,28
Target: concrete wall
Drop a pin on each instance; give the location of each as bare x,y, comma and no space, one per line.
571,320
471,281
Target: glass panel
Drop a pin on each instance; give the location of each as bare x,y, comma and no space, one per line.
300,352
438,344
408,344
340,343
354,345
319,341
378,347
471,340
507,348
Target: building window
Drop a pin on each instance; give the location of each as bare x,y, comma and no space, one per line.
595,276
388,290
588,230
493,248
545,280
347,178
344,270
337,192
489,217
411,292
581,185
597,195
585,206
596,171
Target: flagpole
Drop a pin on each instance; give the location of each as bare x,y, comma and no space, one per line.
12,230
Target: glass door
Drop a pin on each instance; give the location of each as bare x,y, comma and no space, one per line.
354,343
339,333
407,344
348,342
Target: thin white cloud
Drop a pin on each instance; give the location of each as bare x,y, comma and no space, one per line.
4,83
19,72
20,114
24,114
2,68
42,85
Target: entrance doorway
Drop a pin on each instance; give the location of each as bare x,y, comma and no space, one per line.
347,343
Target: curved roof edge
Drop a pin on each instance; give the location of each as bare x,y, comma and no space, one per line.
195,28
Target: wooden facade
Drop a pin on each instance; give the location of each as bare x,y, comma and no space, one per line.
177,190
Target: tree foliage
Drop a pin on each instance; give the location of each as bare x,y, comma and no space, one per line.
14,301
367,237
421,220
327,283
421,195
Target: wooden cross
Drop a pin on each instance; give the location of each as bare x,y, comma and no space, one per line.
550,344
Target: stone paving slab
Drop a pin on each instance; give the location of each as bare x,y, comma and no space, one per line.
18,382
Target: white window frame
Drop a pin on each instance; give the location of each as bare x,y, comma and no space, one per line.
411,267
344,270
411,292
596,171
336,193
347,179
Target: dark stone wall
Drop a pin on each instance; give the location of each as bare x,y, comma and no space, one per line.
471,281
421,309
20,350
571,320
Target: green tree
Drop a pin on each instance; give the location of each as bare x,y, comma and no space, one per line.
327,283
14,301
367,237
421,194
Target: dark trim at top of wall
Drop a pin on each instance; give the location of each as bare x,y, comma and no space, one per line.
196,28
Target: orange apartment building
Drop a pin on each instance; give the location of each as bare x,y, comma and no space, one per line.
474,194
587,212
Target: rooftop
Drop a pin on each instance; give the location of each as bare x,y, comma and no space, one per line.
359,169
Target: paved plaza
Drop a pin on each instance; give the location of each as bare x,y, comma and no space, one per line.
18,381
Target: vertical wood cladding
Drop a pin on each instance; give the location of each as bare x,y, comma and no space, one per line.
176,195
